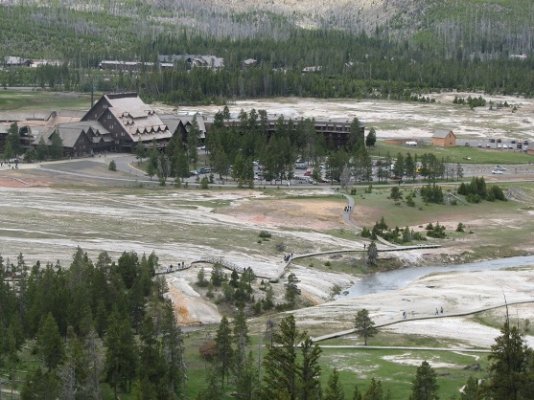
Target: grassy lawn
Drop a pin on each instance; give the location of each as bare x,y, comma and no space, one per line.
395,368
459,154
43,100
403,215
350,263
392,367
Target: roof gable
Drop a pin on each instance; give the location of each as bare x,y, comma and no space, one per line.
137,119
442,133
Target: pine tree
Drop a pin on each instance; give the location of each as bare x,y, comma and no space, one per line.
309,372
40,385
152,367
410,166
56,146
334,391
507,364
120,364
374,391
246,379
471,390
365,327
425,386
370,140
50,343
280,362
173,353
356,395
192,142
41,150
225,351
372,254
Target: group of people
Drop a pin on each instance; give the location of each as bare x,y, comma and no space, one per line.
348,208
288,257
438,311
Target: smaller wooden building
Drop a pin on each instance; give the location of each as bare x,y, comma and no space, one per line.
80,138
443,138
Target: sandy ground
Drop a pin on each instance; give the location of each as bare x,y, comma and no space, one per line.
319,215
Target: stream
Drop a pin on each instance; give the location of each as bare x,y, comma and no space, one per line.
398,279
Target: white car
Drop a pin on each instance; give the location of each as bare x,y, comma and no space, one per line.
497,172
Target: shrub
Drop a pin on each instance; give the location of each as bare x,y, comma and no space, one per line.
280,247
432,194
438,231
366,233
395,193
497,193
204,183
418,236
460,227
473,198
112,166
265,235
208,350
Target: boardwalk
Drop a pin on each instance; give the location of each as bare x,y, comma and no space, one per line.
289,258
400,321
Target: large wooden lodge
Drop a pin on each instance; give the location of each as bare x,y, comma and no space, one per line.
119,122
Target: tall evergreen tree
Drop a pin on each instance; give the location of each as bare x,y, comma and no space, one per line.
309,372
56,146
120,363
425,386
507,364
225,351
173,354
365,327
370,140
280,363
374,391
471,390
40,385
50,343
334,391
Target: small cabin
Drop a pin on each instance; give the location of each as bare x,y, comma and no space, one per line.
444,138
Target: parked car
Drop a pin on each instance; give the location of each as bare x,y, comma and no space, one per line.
497,172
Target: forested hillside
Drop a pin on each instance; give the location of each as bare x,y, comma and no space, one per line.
382,49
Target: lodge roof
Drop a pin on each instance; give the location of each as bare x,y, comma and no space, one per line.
71,132
138,119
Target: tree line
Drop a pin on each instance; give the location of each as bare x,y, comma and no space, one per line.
96,330
354,64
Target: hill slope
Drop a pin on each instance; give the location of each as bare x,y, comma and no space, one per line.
484,25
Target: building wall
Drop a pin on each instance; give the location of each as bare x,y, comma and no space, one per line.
83,146
448,141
